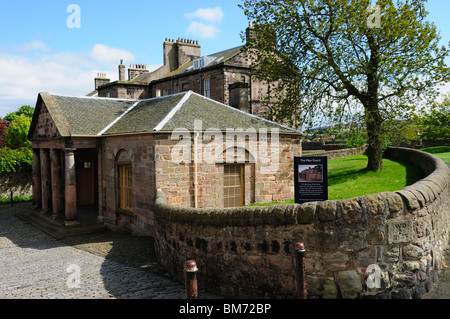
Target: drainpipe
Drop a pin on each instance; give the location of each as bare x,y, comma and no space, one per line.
195,170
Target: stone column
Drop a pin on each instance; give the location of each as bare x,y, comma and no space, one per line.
37,197
70,186
57,195
45,180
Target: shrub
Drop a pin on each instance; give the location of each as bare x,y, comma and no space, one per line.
14,160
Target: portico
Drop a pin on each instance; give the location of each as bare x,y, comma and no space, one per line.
58,168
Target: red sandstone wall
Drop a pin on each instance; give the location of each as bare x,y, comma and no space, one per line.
139,151
154,167
177,179
45,127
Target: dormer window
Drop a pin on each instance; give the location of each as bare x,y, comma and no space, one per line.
202,62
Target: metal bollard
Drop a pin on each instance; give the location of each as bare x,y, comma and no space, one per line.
190,270
301,276
12,199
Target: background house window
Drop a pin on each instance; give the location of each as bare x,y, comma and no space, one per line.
206,88
125,187
233,185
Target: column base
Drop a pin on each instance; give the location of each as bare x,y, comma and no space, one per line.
69,223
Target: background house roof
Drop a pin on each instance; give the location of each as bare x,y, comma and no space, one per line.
93,116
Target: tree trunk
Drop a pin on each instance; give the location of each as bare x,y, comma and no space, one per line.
374,150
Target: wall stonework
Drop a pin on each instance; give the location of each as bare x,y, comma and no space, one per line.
153,167
248,252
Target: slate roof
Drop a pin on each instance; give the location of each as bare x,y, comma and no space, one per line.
94,116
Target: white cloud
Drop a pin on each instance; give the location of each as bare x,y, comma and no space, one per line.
202,30
207,26
103,53
23,76
208,14
34,46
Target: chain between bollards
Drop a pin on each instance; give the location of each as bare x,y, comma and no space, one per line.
301,274
190,270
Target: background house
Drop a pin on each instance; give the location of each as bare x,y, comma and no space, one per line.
223,76
112,154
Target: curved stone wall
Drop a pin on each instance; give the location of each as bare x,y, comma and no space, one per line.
386,245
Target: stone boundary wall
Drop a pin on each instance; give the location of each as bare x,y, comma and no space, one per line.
249,252
338,153
20,183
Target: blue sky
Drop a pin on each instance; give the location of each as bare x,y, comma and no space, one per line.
40,52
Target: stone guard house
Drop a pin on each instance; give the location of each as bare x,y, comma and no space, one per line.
112,154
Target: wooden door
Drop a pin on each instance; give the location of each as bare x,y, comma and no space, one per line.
85,183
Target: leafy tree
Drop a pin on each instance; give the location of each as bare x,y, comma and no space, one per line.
16,136
436,122
24,109
335,57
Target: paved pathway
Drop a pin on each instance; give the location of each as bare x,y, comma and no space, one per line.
34,265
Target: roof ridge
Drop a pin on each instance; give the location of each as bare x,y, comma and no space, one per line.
248,114
117,119
173,111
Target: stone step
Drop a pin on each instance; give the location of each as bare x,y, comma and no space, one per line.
59,230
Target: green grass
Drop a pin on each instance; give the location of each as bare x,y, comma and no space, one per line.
443,152
16,199
347,178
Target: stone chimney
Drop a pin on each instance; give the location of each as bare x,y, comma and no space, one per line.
170,54
135,70
100,80
178,52
188,50
249,32
121,71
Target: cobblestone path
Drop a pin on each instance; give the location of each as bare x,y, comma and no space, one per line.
34,265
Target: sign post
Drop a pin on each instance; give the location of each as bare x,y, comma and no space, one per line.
311,179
